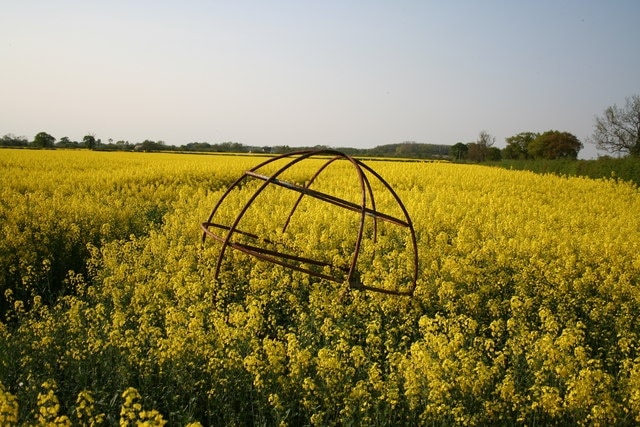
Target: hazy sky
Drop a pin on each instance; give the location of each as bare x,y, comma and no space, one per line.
337,73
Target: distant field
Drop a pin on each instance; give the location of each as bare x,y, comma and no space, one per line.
525,311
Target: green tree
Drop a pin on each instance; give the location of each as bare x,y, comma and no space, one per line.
459,151
618,129
494,154
89,141
123,145
43,140
148,145
10,140
518,145
554,144
65,142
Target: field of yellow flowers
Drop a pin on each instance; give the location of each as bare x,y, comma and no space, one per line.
526,310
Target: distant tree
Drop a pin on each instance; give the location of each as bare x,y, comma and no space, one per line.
148,145
554,144
230,147
474,152
479,150
112,146
406,149
43,140
618,129
10,140
518,145
415,150
89,141
281,149
486,139
65,142
494,154
197,146
459,151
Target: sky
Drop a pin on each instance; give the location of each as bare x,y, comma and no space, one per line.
304,73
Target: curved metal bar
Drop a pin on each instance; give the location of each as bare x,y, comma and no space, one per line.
251,200
295,262
329,198
409,223
313,178
341,203
206,225
307,185
217,205
373,207
239,180
356,250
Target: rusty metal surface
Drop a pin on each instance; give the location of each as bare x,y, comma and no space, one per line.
347,273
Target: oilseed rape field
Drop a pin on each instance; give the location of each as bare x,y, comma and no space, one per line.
526,310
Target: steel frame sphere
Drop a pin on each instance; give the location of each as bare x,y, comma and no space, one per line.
224,233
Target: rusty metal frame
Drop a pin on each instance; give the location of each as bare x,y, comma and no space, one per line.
340,274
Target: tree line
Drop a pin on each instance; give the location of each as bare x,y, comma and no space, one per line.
616,131
44,140
551,144
406,149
